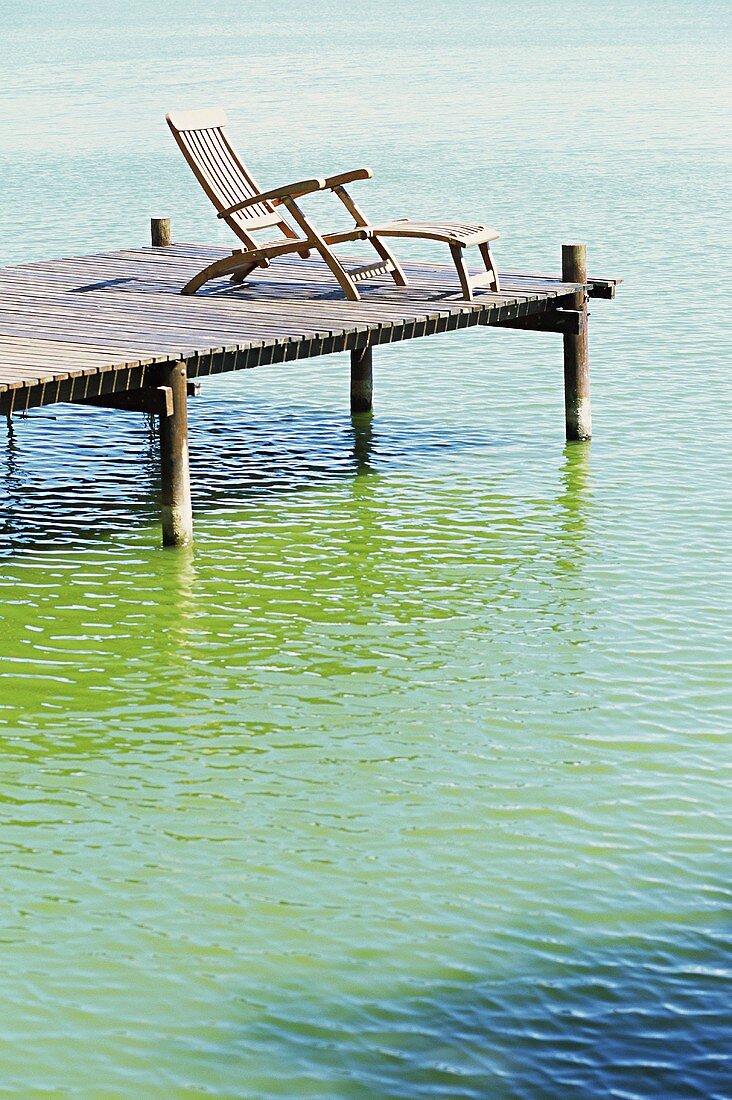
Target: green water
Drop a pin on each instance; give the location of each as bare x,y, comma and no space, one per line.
412,779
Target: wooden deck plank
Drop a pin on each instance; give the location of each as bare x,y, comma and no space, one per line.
101,323
237,316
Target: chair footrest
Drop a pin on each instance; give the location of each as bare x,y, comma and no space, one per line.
370,271
487,279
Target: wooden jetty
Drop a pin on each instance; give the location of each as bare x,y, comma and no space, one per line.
113,330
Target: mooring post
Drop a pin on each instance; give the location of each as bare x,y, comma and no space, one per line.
175,475
577,406
161,232
362,380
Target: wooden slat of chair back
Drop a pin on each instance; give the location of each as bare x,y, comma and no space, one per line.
202,140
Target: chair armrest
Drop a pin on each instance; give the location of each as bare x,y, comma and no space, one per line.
289,191
348,177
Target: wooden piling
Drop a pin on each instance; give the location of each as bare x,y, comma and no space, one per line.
362,380
161,232
177,515
577,406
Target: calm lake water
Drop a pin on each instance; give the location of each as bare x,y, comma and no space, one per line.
412,780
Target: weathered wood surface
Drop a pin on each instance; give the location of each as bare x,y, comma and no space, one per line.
161,232
78,328
362,380
577,405
175,477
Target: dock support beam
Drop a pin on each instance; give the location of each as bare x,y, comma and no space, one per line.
161,233
577,406
177,514
362,380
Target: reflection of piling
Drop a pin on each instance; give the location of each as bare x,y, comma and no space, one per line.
573,499
179,578
174,579
12,447
577,408
363,436
571,547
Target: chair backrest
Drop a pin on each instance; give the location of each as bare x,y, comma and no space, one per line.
209,153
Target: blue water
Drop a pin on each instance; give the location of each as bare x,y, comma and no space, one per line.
412,779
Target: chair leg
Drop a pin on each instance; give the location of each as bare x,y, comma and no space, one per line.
490,265
345,281
315,242
458,256
239,276
397,271
227,265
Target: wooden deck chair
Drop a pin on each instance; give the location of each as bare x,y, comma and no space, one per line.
247,210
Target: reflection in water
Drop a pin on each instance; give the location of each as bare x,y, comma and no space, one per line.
574,502
179,579
575,475
90,471
11,448
363,439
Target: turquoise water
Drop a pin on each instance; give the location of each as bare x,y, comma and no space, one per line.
412,779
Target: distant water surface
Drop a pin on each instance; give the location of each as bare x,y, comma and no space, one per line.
412,780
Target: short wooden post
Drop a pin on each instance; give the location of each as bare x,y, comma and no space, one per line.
577,406
177,514
161,232
362,380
